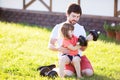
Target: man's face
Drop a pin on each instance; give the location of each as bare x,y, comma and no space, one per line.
73,18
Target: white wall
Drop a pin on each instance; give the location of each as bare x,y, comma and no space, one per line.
93,7
17,4
98,7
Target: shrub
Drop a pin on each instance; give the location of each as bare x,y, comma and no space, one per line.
109,27
117,28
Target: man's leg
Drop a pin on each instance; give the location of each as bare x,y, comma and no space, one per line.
87,72
69,70
66,72
86,66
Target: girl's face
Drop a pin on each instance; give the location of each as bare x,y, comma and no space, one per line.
70,32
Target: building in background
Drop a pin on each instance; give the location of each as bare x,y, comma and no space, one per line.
90,7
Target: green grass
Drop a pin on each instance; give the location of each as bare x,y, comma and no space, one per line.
23,48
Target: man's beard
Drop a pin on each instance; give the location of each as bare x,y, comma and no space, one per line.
73,22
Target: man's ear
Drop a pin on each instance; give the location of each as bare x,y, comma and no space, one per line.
67,14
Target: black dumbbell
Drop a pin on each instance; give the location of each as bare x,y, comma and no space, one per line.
82,41
95,34
52,74
44,71
49,66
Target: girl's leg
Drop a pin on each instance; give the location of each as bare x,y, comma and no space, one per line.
76,62
63,60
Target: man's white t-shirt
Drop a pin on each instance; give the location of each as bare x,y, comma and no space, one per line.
78,30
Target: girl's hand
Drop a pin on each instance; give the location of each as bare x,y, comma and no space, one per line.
83,48
63,50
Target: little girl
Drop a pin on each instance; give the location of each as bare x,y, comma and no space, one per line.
69,42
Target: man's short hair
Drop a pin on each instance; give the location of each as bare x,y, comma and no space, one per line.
74,8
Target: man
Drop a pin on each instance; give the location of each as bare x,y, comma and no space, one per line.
73,14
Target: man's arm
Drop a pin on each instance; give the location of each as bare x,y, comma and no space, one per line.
53,47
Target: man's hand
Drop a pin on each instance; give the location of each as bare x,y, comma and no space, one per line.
95,34
89,37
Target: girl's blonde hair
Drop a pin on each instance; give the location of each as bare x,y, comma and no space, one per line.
65,28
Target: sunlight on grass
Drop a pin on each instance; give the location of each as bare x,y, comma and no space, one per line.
23,48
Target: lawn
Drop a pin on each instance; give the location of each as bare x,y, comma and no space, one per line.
23,48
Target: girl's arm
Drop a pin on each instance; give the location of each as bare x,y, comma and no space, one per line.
71,47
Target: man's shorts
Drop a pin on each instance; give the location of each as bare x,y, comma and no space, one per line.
85,64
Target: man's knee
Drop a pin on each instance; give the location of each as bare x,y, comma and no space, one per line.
87,72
